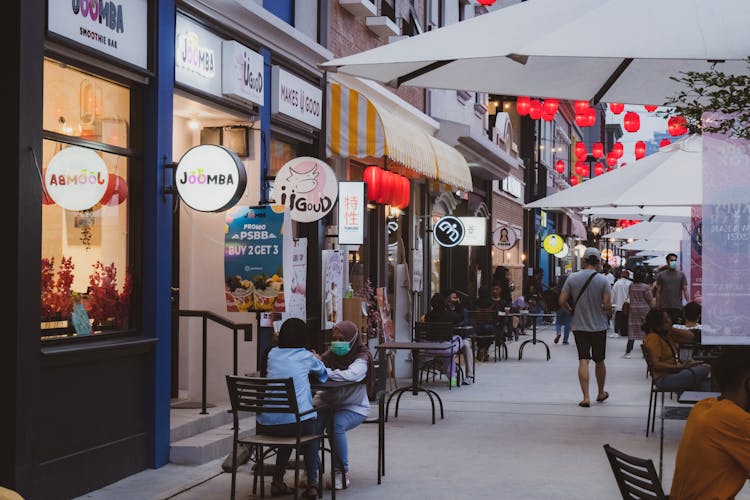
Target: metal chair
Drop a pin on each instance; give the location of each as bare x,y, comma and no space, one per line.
636,477
380,421
435,331
265,395
488,321
653,395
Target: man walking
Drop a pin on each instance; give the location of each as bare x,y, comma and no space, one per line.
671,287
592,307
620,291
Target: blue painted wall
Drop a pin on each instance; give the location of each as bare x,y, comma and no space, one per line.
283,9
157,226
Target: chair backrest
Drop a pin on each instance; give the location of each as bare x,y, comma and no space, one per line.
433,331
636,477
482,317
649,368
262,395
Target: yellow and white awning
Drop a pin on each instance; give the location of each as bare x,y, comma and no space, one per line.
362,123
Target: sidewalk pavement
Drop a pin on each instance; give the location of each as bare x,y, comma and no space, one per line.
518,432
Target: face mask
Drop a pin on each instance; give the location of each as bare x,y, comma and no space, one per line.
342,347
673,264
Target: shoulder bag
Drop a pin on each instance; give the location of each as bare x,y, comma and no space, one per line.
572,304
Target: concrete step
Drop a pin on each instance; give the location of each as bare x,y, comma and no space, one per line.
210,444
188,422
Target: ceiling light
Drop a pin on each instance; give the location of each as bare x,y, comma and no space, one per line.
193,124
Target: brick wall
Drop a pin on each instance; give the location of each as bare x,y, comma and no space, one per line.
347,35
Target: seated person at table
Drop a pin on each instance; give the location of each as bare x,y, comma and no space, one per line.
661,344
291,359
713,459
348,359
453,303
439,313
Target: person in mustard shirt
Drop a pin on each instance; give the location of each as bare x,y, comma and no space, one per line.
713,459
661,345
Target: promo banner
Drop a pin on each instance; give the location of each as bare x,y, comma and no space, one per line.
333,282
253,258
295,271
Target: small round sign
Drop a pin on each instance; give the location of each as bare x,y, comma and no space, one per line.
564,252
76,178
210,178
308,186
504,238
553,243
449,231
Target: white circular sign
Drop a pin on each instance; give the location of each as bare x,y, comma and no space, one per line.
76,178
579,250
308,186
210,178
504,238
449,231
564,252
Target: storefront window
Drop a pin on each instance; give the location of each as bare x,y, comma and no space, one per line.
86,267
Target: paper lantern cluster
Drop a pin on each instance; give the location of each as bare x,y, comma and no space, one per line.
632,121
585,114
536,109
664,142
616,107
386,187
623,223
597,150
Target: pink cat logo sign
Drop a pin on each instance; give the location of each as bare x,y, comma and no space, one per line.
307,186
76,178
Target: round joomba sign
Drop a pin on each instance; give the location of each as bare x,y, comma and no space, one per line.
449,231
308,186
76,178
210,178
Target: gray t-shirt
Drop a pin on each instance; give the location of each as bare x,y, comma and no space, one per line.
589,315
670,285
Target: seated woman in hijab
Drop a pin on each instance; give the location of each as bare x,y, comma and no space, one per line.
661,345
348,359
291,359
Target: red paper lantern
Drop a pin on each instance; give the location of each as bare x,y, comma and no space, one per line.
535,111
632,122
677,125
547,117
560,166
664,142
618,149
580,150
574,181
581,107
580,168
598,168
374,179
609,169
616,107
581,120
387,187
405,192
550,106
640,150
590,117
597,150
611,159
523,104
116,192
486,3
650,108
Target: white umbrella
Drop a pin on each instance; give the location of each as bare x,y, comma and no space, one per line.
670,246
652,253
673,176
646,213
597,50
650,231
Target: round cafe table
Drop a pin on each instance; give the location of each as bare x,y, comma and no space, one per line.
533,340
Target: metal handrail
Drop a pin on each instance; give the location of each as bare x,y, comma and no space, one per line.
235,327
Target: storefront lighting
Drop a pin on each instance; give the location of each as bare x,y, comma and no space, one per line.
523,257
393,211
194,124
595,230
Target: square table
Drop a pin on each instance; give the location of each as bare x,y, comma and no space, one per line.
415,388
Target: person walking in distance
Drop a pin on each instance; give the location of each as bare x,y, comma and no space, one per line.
619,297
641,302
590,293
671,288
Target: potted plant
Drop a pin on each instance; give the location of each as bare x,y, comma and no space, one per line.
107,306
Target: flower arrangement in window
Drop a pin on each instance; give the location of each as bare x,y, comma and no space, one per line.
57,297
107,306
374,321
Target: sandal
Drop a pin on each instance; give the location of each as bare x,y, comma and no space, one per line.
280,489
311,492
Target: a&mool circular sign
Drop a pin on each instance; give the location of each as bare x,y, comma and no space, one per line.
76,178
307,186
210,178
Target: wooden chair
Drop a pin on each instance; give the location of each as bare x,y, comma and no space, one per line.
264,395
488,321
636,477
435,331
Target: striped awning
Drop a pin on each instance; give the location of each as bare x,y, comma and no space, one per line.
362,124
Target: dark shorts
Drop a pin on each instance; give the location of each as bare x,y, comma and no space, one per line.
591,345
